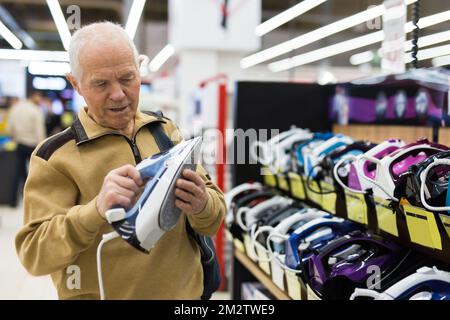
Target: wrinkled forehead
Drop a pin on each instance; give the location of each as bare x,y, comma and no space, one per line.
110,55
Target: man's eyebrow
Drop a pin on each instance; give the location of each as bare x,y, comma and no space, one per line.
96,80
127,74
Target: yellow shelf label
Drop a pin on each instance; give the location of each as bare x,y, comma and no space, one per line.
328,199
386,217
311,294
356,207
263,264
239,245
313,196
268,177
249,248
297,185
422,227
446,222
294,285
282,182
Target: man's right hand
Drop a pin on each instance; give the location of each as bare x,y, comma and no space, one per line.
119,188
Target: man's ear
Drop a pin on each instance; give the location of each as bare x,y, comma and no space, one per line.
73,82
143,60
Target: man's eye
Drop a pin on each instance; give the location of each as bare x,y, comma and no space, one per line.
100,84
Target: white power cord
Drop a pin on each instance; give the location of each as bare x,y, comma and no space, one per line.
254,242
423,177
106,238
275,255
378,163
338,179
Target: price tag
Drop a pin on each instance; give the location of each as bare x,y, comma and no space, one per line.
422,227
356,207
297,186
386,217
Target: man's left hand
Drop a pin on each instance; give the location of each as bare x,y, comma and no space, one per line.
191,193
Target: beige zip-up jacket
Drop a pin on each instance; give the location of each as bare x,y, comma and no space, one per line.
62,227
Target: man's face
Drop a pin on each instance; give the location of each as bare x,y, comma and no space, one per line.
109,82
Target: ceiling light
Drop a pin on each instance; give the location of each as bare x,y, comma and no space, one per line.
430,53
348,45
363,57
315,35
161,58
134,16
48,68
60,22
286,16
423,42
10,37
441,61
33,55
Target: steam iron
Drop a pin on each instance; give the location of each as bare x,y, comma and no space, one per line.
236,193
155,212
272,148
299,149
354,149
346,263
426,284
281,232
388,169
314,235
428,180
314,154
354,169
244,203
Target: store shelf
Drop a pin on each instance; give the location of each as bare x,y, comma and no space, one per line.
260,275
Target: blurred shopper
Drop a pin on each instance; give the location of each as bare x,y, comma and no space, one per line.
26,125
79,174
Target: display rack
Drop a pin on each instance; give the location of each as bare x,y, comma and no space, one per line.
306,106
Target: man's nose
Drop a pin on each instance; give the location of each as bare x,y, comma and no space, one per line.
117,93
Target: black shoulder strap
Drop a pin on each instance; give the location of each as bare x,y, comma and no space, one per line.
162,140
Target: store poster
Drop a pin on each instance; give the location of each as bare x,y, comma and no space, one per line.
391,102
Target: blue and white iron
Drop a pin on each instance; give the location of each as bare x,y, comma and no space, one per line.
280,233
315,153
301,148
314,235
426,284
155,212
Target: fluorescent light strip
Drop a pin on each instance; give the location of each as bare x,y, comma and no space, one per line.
326,52
346,46
286,16
360,58
10,37
430,53
429,40
441,61
34,55
134,16
425,41
161,58
48,68
60,22
315,35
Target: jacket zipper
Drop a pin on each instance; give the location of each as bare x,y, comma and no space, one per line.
135,150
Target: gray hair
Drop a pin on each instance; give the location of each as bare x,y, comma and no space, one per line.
92,33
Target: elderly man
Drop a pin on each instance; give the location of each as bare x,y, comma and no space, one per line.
80,173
